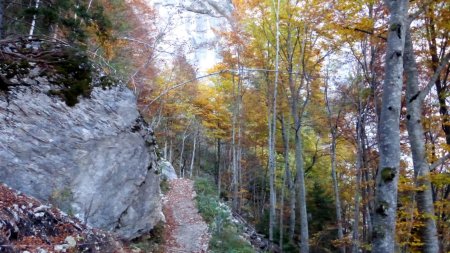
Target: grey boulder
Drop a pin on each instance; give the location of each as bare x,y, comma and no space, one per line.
95,160
167,170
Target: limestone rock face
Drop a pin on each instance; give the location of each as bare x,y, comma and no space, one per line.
192,24
167,170
95,160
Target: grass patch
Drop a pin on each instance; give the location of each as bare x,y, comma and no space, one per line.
225,234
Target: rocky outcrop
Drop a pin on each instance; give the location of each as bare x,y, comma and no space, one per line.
192,24
167,170
94,159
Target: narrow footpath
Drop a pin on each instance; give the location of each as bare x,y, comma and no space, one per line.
185,230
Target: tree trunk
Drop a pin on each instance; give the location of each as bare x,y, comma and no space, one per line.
337,199
273,130
234,172
165,148
282,212
389,132
193,155
89,5
170,151
300,178
33,22
219,178
424,197
288,178
239,170
180,166
304,234
359,162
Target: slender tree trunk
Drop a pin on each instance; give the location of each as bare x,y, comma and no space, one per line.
282,212
219,173
285,132
180,166
193,155
89,5
272,136
424,197
389,132
239,170
359,162
33,22
300,178
234,172
337,199
170,151
239,137
165,149
199,154
304,234
288,177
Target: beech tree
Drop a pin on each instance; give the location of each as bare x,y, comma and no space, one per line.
332,124
389,131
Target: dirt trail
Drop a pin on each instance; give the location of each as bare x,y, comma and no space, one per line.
185,230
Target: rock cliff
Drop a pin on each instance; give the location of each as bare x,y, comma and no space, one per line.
94,159
191,26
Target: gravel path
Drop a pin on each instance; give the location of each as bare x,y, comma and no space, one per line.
185,230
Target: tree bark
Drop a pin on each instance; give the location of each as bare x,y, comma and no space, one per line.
288,177
33,22
273,130
89,5
424,197
359,165
282,212
170,151
165,148
219,178
304,234
180,164
383,234
285,129
337,199
300,177
234,170
193,155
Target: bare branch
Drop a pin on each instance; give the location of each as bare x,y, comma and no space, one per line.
439,162
366,32
232,71
176,86
424,92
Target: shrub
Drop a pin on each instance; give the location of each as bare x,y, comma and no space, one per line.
225,234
